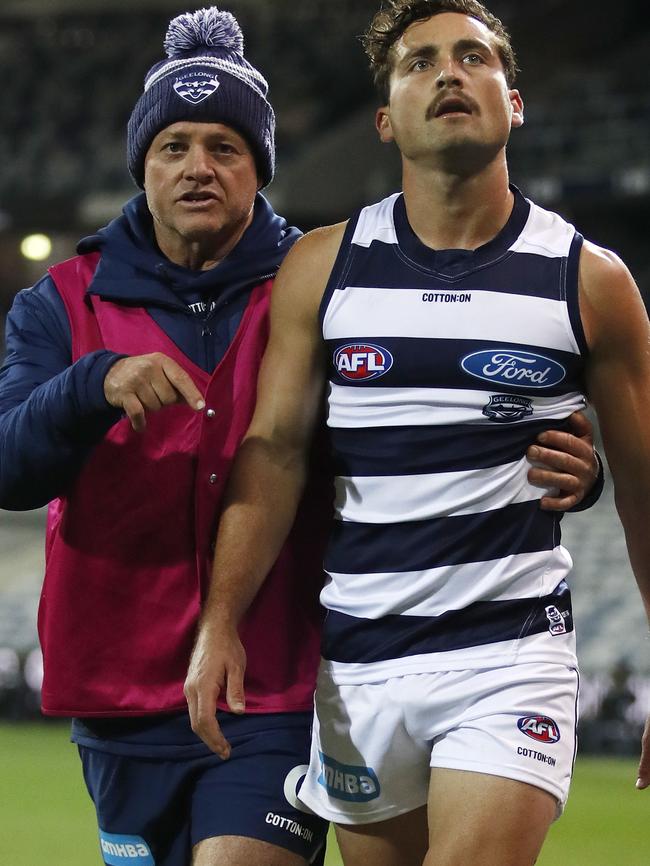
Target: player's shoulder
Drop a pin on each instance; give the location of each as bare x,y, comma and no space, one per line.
609,297
317,247
306,269
601,265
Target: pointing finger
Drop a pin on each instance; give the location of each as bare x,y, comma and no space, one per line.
183,384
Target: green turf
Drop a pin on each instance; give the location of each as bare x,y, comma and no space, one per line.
606,821
47,817
48,820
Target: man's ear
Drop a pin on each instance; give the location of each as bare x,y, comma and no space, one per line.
383,125
517,104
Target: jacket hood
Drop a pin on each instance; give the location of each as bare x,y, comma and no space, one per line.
133,269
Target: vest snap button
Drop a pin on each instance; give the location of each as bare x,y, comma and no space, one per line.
210,413
212,478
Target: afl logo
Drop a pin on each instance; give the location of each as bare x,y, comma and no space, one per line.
360,362
514,367
540,728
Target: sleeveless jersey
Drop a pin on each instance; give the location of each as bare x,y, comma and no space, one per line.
444,367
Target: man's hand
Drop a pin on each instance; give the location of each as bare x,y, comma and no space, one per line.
568,463
217,664
146,383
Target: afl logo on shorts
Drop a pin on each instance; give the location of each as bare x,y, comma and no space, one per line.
540,728
360,362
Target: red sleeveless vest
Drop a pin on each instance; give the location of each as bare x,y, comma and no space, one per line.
128,547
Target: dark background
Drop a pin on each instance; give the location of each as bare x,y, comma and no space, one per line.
72,72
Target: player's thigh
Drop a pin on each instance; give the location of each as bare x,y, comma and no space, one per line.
365,765
485,820
241,851
400,841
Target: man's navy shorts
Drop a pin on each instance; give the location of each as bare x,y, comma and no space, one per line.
158,790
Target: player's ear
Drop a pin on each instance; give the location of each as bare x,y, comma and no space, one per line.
517,104
383,124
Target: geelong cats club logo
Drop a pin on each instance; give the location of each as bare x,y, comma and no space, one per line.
504,408
195,87
359,362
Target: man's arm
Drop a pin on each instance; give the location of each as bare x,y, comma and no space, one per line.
53,411
266,481
618,379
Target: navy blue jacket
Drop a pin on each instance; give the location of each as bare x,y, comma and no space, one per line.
53,411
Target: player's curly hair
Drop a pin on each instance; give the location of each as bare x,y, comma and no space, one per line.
396,16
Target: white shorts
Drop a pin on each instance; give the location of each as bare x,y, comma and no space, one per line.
373,744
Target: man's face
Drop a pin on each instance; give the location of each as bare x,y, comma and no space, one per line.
449,101
200,180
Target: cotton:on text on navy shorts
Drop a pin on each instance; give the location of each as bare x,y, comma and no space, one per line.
158,790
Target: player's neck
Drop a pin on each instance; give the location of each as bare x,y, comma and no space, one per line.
451,212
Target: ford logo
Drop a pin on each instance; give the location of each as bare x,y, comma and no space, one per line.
514,367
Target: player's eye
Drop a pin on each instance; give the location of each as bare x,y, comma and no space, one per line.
420,64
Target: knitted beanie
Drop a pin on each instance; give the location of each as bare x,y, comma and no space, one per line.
204,78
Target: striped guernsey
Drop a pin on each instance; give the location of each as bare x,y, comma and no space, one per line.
443,367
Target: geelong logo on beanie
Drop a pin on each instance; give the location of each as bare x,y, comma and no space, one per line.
195,88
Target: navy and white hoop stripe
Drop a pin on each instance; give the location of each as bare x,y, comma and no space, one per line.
445,366
356,640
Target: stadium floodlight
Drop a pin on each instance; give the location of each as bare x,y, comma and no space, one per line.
36,247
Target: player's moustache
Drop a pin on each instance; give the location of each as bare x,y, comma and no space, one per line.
464,100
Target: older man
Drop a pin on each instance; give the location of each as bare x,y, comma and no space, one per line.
166,308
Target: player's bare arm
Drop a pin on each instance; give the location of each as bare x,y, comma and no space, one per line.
618,380
266,481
